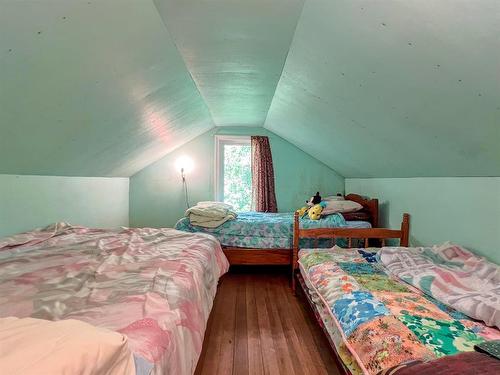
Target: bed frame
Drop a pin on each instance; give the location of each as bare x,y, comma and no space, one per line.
379,234
249,256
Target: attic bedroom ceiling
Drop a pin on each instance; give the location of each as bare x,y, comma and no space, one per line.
91,88
235,50
372,89
394,88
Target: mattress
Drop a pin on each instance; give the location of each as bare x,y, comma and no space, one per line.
377,321
260,230
155,286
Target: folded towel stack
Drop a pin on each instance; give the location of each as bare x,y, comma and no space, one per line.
210,214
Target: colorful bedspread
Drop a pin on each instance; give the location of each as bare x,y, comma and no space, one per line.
380,320
156,286
264,230
452,275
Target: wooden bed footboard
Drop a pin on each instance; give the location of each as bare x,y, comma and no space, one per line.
284,256
380,234
247,256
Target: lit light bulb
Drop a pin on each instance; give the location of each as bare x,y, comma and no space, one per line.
184,164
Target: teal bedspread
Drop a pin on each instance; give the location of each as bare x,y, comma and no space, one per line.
263,230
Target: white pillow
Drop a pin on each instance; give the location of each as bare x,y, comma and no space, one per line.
37,346
333,207
334,198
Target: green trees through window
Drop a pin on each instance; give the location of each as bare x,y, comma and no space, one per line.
238,176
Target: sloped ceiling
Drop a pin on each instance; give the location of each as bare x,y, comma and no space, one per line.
394,88
372,89
235,51
91,88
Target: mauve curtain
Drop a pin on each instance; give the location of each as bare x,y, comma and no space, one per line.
263,196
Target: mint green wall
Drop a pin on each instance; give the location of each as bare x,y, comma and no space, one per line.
28,202
156,197
462,210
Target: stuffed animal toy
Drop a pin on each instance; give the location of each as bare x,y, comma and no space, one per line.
315,211
303,211
313,207
314,200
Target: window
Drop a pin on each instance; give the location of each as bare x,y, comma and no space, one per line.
233,171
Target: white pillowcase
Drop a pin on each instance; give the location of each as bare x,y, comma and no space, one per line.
333,207
334,198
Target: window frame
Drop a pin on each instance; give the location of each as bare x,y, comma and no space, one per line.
220,142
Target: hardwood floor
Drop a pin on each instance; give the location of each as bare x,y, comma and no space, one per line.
258,327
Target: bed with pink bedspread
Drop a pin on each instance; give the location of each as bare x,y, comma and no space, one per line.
156,286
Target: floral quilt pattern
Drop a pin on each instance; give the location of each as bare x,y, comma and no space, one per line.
385,342
357,307
382,320
262,230
443,337
380,283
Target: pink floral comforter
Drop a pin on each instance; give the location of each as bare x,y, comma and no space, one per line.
156,286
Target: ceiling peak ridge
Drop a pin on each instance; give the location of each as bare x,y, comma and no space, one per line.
284,64
184,62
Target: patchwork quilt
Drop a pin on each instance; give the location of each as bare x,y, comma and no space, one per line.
381,321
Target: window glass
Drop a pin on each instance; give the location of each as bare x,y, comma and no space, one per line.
237,176
233,171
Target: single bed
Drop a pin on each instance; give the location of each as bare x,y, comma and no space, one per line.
375,322
155,286
267,238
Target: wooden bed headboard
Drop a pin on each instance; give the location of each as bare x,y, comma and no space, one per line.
381,234
369,205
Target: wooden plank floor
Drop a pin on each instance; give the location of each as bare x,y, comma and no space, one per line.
258,327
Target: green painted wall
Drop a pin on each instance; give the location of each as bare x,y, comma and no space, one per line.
462,210
156,197
28,202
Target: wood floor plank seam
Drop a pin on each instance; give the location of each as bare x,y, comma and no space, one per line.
257,327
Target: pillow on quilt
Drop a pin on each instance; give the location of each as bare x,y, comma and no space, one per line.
333,207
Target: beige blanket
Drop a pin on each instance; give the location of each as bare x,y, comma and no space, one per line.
210,214
37,347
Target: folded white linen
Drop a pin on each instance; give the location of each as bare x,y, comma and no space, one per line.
214,204
209,222
210,214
